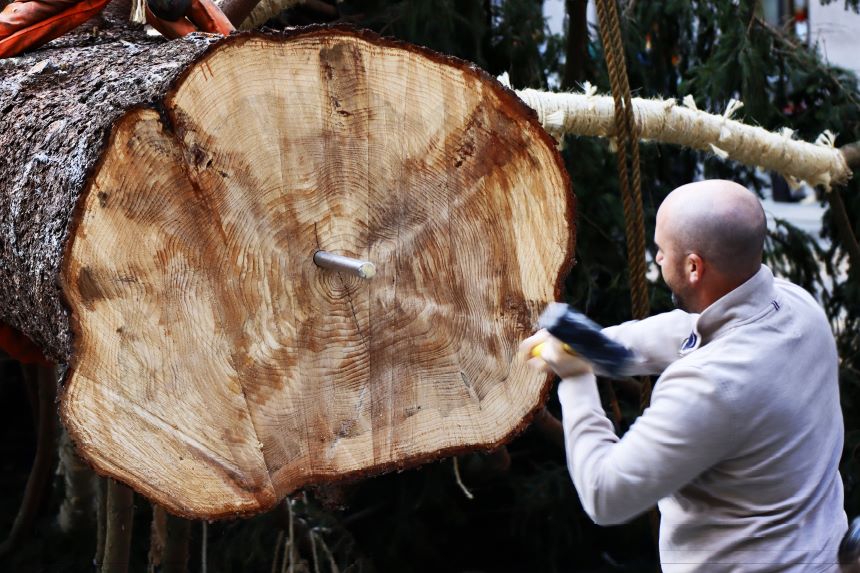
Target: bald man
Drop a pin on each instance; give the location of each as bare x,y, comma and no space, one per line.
740,446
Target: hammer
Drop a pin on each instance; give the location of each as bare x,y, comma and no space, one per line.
580,335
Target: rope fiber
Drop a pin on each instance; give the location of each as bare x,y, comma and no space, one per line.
627,138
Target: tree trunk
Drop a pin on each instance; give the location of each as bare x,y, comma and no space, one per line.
576,51
169,541
157,538
78,510
177,191
176,549
118,527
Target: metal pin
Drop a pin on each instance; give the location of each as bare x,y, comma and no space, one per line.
357,267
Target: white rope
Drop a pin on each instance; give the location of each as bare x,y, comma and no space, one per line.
589,114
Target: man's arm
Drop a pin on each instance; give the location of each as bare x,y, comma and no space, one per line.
655,340
686,430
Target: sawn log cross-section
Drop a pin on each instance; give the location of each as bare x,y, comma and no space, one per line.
213,366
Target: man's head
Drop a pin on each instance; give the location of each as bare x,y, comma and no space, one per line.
709,237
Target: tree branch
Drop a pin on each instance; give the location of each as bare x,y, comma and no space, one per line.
851,153
843,225
120,514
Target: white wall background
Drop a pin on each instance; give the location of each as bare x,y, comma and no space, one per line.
837,33
834,29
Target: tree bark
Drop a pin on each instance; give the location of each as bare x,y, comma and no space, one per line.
57,108
577,43
177,192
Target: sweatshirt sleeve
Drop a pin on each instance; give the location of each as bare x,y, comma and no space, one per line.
655,340
686,430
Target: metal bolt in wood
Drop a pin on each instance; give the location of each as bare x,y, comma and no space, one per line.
357,267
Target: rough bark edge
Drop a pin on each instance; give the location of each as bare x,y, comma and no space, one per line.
43,315
170,124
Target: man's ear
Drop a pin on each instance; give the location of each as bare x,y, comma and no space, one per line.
695,269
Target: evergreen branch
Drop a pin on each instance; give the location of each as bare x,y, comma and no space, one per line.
795,49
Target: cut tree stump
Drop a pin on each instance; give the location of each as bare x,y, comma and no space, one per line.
161,206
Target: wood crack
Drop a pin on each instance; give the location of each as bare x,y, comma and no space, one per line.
354,315
174,133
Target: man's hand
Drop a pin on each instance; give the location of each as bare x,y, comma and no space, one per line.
552,357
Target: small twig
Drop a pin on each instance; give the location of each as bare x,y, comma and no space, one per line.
313,539
101,521
460,483
628,10
204,543
331,561
288,547
289,503
752,16
278,542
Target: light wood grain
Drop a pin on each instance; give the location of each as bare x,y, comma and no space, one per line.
216,367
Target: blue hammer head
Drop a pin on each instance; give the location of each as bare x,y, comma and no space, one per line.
584,336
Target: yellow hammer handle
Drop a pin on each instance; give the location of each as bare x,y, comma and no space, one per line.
538,349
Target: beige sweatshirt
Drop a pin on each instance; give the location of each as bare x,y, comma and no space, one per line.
741,443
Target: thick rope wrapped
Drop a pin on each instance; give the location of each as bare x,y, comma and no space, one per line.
626,138
588,114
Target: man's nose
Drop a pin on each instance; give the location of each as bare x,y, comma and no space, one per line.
659,258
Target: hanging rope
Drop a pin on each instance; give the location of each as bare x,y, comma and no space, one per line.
627,137
634,218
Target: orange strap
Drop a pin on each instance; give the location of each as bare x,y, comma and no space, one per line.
202,16
19,347
33,23
40,30
209,17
